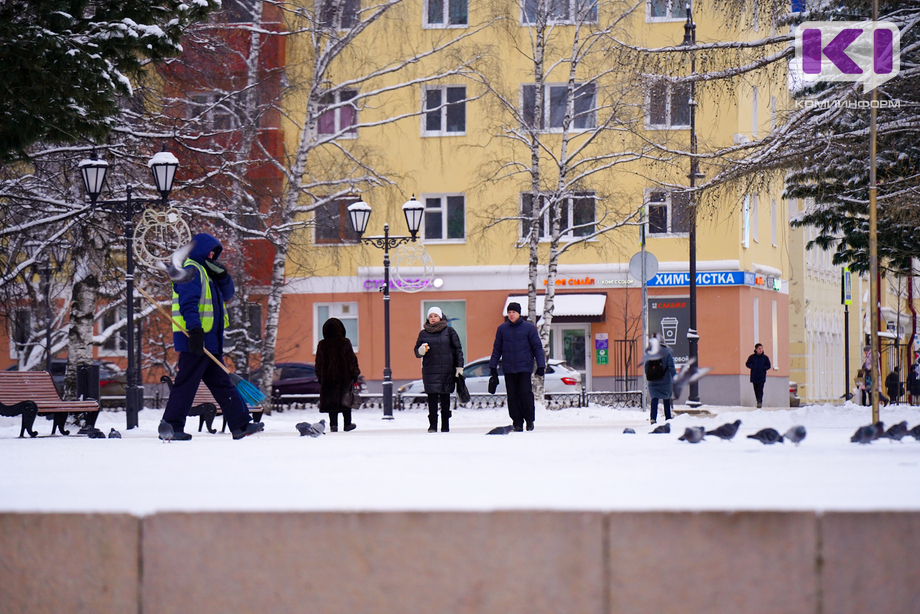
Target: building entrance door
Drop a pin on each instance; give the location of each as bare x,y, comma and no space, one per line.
569,342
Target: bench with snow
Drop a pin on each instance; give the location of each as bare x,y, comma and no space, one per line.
32,393
205,407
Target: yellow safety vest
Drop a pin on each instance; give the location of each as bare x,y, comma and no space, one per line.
205,303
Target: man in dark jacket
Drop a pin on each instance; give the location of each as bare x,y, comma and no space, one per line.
517,345
759,364
198,304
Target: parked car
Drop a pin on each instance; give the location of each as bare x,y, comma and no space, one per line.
560,379
296,378
112,380
793,394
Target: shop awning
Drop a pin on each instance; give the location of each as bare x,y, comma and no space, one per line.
567,307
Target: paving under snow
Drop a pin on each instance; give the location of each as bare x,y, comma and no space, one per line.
576,459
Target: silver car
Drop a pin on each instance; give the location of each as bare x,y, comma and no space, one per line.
560,379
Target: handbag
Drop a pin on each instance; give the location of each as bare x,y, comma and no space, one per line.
351,397
463,393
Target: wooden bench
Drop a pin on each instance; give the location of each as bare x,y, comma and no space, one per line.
205,406
32,393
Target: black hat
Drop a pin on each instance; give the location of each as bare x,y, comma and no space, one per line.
514,307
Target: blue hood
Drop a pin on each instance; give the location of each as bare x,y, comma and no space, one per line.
204,245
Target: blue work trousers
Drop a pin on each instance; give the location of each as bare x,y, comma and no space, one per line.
193,371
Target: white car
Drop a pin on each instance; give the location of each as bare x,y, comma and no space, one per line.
560,379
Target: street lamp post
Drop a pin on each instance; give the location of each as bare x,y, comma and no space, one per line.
692,336
54,257
93,170
360,213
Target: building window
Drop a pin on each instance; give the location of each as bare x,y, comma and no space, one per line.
445,110
665,10
445,218
746,222
555,98
576,218
441,13
337,114
332,224
212,110
668,106
755,216
561,11
117,342
20,331
238,11
338,14
346,312
668,213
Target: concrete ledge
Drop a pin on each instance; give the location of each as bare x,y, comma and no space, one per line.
871,562
69,563
506,562
752,562
501,562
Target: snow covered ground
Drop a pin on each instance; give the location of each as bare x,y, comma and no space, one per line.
576,459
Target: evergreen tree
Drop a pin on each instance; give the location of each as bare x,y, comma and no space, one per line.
63,63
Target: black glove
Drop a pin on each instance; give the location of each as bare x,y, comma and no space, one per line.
541,371
493,372
216,270
196,341
493,384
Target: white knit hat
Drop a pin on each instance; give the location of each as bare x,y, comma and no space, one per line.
436,310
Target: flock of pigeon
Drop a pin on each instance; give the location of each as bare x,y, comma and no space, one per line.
696,434
871,432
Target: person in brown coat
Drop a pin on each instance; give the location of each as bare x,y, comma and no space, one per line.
336,369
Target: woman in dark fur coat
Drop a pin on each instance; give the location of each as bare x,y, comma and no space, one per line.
336,369
438,345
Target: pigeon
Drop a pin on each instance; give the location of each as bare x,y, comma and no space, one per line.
686,376
868,433
915,432
175,267
654,351
726,431
96,434
693,434
767,436
113,434
313,430
896,432
165,430
501,430
664,428
629,431
795,434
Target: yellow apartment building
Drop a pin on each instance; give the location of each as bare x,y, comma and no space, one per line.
451,152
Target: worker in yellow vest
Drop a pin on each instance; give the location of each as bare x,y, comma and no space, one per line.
199,305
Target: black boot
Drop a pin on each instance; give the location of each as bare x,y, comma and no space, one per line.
445,421
432,423
334,423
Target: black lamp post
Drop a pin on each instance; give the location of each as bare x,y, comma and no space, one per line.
360,213
93,170
57,253
693,337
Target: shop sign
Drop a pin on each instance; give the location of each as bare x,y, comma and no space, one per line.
587,281
709,278
601,349
670,318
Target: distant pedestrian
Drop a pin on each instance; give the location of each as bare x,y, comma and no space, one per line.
893,385
438,345
861,387
336,369
659,373
913,383
759,364
518,346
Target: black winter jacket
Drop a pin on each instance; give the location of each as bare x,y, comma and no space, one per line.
440,363
517,345
759,364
